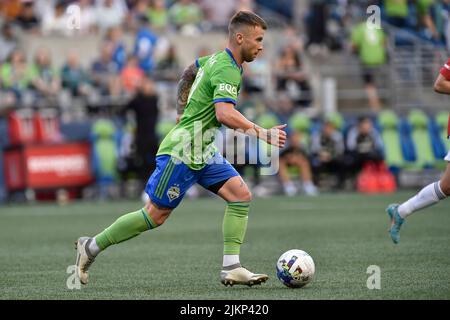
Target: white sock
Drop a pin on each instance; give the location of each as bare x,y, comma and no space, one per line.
426,197
230,259
94,249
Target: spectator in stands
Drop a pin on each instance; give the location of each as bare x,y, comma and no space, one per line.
168,68
245,5
27,19
327,151
186,16
131,76
14,77
396,12
425,19
317,27
54,20
364,144
294,155
110,13
74,78
218,13
105,72
145,107
256,77
44,78
10,9
370,46
8,42
291,78
291,37
145,45
158,15
119,52
139,10
87,17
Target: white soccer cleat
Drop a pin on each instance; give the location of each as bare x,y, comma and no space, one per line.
84,258
240,275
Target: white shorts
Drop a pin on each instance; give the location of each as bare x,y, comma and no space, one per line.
448,156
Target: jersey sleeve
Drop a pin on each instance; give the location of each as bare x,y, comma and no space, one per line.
200,61
445,70
225,82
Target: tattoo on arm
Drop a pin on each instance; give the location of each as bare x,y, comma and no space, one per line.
184,86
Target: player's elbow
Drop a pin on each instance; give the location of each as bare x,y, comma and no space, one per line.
439,86
222,116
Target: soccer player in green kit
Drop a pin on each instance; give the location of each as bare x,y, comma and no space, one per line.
207,94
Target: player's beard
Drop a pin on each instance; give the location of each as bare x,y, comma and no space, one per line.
249,56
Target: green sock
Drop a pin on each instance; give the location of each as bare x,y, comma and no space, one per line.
234,226
126,227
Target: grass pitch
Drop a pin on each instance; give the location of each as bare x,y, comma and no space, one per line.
344,233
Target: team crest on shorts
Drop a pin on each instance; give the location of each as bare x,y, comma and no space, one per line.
173,192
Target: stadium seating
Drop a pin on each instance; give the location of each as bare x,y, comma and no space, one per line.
301,124
388,123
104,154
420,135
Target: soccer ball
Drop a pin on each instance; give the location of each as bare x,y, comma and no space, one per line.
295,268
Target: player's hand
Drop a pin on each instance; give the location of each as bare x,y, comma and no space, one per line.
178,118
276,136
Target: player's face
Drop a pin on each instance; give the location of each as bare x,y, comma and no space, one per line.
252,43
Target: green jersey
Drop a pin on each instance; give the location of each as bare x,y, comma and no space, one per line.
192,139
370,44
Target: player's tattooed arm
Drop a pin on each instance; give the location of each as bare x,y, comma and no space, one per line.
184,86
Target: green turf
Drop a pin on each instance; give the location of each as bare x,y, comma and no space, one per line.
344,233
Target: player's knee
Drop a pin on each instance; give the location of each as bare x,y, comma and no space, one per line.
245,196
159,217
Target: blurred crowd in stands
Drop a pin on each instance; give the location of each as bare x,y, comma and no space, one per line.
130,76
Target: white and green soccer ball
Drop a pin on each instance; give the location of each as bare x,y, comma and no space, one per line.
295,268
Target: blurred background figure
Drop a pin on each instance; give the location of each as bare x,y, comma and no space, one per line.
327,151
295,156
110,13
186,16
8,42
14,75
364,145
74,77
131,75
27,18
105,72
145,45
44,77
158,15
291,78
145,108
370,46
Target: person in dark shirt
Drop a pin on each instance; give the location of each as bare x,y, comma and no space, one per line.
27,20
327,148
105,72
364,144
145,107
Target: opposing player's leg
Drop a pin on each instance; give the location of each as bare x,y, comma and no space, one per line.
222,179
428,196
166,188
